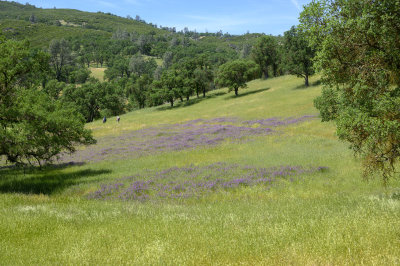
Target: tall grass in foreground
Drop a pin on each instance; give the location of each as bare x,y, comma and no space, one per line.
324,217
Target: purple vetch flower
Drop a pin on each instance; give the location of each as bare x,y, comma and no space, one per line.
180,136
194,181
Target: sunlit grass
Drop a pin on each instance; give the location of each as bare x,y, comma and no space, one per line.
97,72
330,217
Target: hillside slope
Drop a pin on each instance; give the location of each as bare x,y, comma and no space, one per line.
69,23
254,179
56,23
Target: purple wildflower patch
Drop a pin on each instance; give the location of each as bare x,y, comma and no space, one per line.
196,181
180,136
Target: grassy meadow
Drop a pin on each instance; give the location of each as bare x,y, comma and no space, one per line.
97,72
331,216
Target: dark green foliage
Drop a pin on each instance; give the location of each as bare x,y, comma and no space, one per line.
60,58
202,79
19,67
33,127
145,44
298,54
167,59
265,54
44,129
246,51
159,49
80,75
236,74
118,68
94,99
183,79
328,104
139,66
166,89
54,88
359,58
33,18
140,90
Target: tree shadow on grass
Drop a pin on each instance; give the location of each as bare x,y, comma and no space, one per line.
191,101
46,181
247,93
303,86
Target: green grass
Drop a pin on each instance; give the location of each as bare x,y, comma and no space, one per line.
98,72
334,217
159,61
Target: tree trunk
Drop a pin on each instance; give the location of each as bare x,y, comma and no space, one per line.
172,103
265,74
236,91
204,93
306,80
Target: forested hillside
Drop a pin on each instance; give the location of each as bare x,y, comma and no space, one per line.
27,21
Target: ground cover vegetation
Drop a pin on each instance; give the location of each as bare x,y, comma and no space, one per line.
196,174
290,195
180,136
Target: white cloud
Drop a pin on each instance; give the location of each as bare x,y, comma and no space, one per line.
296,3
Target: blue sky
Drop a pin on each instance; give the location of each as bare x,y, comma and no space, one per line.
233,16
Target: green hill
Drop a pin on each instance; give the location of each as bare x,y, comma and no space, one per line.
40,35
69,23
254,179
56,23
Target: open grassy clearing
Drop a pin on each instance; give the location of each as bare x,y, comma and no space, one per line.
159,61
323,217
98,72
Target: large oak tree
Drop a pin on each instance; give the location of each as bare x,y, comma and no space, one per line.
33,126
358,55
235,74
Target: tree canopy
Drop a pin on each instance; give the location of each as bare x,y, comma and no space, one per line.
265,54
235,74
298,54
358,55
33,126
